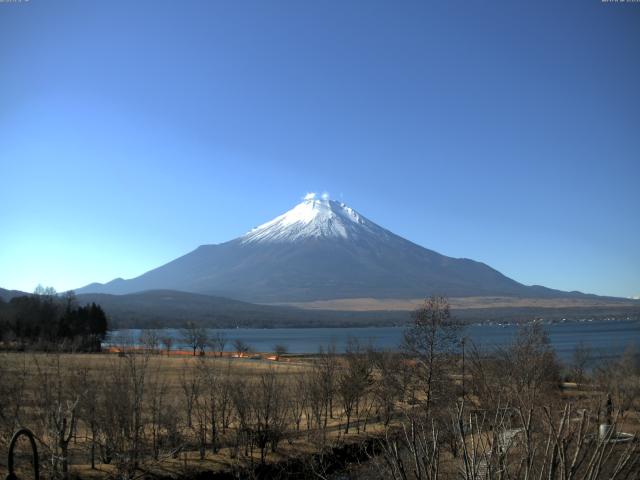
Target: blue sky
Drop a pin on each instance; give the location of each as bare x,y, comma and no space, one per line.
507,132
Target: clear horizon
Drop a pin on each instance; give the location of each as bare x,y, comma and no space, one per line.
506,133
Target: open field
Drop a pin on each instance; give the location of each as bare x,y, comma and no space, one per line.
184,385
460,303
142,413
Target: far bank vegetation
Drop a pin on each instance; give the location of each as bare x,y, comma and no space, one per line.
46,321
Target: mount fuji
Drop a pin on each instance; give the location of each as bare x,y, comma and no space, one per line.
323,250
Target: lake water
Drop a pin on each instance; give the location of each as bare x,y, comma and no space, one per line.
605,338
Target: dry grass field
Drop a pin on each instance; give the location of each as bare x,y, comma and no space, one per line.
458,303
148,414
43,385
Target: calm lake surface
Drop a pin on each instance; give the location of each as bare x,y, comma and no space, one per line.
605,338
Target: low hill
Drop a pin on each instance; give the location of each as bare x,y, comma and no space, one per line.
167,308
7,295
170,308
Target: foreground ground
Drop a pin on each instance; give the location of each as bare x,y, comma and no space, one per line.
150,414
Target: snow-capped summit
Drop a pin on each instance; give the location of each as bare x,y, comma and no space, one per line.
322,249
314,217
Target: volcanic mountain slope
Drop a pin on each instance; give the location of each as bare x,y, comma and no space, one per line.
322,249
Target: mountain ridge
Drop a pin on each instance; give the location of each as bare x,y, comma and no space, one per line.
170,308
322,250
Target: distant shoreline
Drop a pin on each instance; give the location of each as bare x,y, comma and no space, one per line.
604,336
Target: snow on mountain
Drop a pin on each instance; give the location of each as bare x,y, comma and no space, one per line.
314,218
321,250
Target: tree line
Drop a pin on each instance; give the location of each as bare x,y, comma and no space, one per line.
46,320
505,412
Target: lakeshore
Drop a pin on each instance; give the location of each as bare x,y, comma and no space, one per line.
605,338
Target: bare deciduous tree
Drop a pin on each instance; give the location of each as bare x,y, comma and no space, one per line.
621,379
280,350
241,347
219,341
430,341
149,340
190,386
354,380
580,361
167,342
195,337
57,405
269,411
298,395
388,385
525,373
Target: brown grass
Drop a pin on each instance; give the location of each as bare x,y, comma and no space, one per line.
458,303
